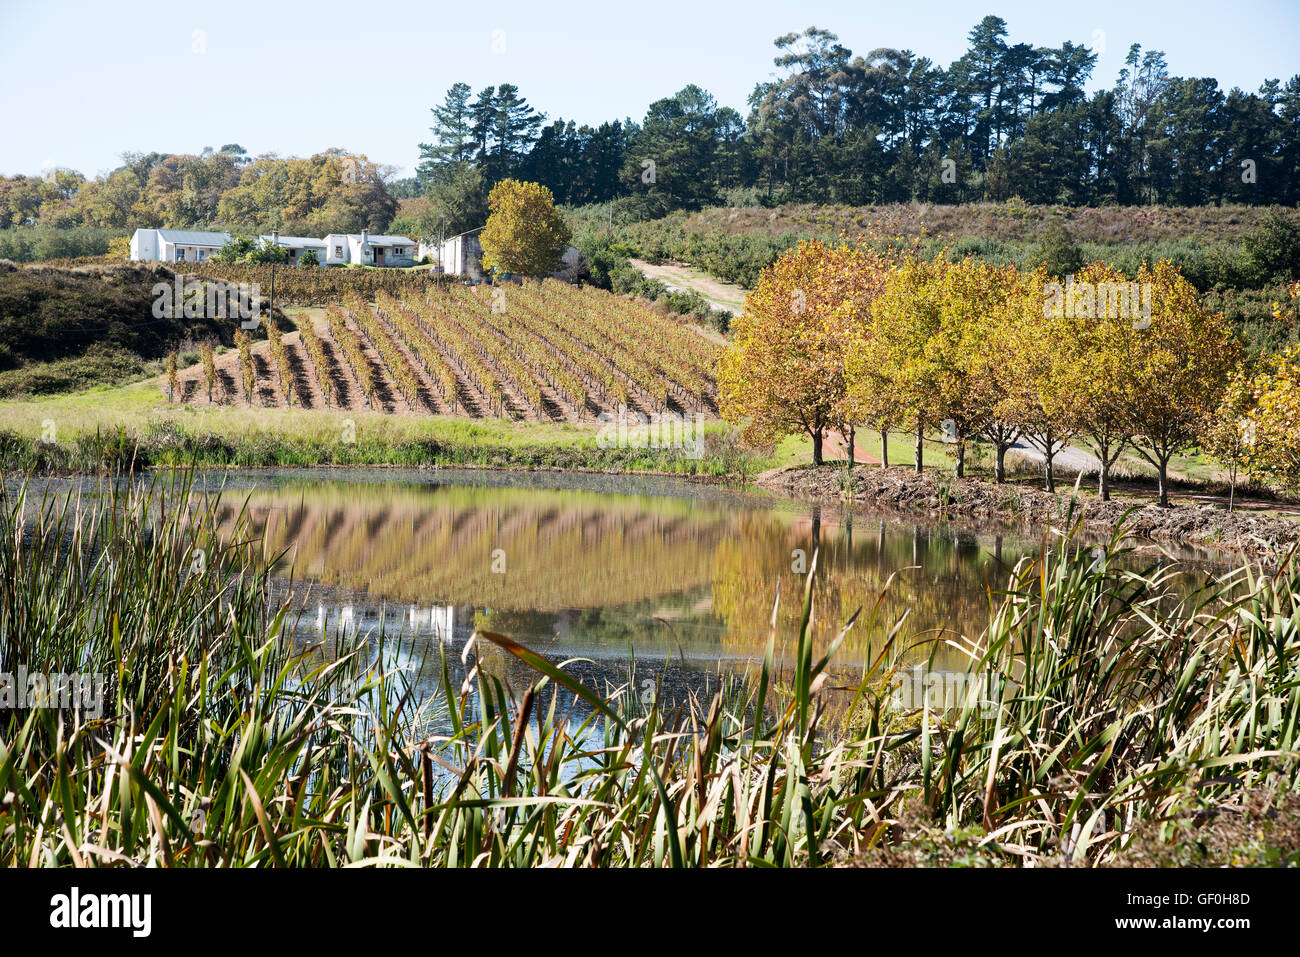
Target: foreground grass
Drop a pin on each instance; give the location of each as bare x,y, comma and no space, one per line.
135,425
1126,710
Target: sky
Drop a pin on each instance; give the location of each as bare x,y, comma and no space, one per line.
88,81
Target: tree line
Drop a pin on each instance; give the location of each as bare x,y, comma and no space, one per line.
332,191
1003,120
840,337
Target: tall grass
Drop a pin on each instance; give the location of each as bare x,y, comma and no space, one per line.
316,442
226,742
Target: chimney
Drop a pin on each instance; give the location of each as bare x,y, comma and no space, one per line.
275,237
365,236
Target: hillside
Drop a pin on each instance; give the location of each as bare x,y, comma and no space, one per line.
62,329
1011,221
544,352
1240,257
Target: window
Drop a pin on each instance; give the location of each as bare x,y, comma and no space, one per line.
202,254
399,251
180,254
338,250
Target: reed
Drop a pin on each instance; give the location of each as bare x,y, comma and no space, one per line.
226,741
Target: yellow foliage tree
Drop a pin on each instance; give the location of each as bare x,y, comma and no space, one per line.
1096,336
1182,360
784,372
1273,432
905,317
966,352
524,234
1227,433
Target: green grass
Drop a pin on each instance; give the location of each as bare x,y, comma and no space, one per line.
1123,704
135,423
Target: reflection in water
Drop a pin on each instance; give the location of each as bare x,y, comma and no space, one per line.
577,572
650,585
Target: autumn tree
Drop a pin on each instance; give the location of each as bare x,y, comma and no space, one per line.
1273,435
972,380
1272,429
860,274
932,326
173,379
524,234
940,333
209,367
1228,432
1037,398
784,372
998,340
870,395
330,192
1182,359
1095,333
904,319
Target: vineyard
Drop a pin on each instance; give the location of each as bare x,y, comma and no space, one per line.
302,286
536,351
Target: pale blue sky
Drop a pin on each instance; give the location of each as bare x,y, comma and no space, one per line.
84,82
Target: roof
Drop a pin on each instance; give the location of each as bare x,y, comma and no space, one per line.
381,240
386,240
194,237
295,241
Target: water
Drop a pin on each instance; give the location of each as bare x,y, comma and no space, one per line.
656,585
676,578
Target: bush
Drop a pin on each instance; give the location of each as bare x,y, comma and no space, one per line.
26,244
99,365
1057,251
1272,250
49,314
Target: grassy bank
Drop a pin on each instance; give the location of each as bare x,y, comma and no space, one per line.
1130,720
115,427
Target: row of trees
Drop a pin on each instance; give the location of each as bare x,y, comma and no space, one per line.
843,337
1003,120
332,191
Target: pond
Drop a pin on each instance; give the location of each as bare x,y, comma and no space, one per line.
675,579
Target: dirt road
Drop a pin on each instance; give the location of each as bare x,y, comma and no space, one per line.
682,278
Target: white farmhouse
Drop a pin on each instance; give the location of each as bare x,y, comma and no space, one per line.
297,245
175,245
365,250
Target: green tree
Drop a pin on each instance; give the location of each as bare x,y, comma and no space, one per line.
456,202
1272,249
453,137
671,158
1056,252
